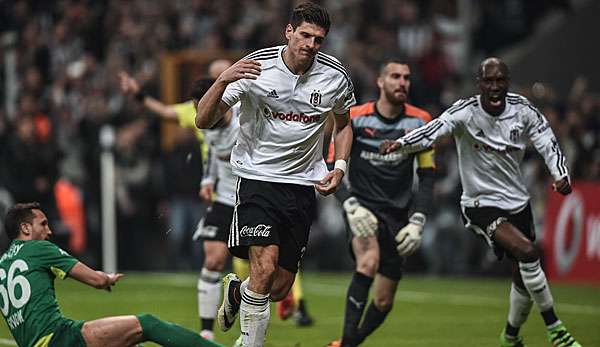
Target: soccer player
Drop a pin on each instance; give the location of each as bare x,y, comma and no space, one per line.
28,303
491,131
384,216
285,93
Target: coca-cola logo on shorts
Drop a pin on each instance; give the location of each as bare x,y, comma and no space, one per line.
261,230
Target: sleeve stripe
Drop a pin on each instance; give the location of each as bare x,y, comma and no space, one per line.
266,57
424,130
331,60
458,108
262,51
343,72
428,131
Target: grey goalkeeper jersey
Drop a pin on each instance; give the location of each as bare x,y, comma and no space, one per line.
490,149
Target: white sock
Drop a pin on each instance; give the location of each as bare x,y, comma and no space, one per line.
254,318
520,306
209,293
536,284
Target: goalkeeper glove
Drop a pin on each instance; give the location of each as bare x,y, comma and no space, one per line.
362,222
409,237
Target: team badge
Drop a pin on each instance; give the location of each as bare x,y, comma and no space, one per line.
515,133
315,98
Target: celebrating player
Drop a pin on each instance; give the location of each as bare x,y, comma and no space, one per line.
27,272
491,131
285,93
385,218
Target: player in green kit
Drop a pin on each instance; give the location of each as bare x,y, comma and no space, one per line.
28,302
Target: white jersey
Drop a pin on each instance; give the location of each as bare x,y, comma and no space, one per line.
221,142
283,116
490,149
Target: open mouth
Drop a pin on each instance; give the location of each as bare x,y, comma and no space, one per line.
495,101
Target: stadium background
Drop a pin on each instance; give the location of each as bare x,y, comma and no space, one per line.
59,86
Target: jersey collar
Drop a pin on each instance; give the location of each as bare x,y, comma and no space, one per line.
396,119
283,66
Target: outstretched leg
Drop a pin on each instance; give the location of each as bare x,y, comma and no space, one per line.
123,331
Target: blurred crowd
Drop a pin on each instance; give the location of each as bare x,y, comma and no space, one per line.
59,86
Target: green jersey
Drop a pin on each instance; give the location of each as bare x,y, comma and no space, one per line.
27,299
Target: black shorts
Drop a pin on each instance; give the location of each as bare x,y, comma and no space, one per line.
216,224
484,221
390,221
272,214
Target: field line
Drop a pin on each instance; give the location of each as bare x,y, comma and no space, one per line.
449,299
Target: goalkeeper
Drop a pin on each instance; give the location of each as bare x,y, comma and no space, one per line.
385,218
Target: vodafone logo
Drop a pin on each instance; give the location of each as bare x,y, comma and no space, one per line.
296,117
567,241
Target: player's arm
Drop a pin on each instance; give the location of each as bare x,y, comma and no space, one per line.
212,108
343,144
423,137
129,86
209,177
96,279
409,237
544,141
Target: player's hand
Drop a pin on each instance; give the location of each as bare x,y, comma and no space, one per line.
128,85
388,146
409,237
563,186
112,279
206,192
330,182
249,69
362,222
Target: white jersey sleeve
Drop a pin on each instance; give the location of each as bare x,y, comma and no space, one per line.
235,91
425,136
543,139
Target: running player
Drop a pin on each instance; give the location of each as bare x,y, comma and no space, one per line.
28,303
491,131
385,218
285,93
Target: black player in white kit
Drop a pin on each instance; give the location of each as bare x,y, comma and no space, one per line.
491,131
286,93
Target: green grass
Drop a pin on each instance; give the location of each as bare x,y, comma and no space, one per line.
428,311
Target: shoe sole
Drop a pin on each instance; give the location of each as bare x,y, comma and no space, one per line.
221,315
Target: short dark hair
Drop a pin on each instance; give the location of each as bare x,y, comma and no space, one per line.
17,214
388,61
200,87
310,12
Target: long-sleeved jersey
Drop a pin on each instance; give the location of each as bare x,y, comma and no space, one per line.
490,149
379,180
220,143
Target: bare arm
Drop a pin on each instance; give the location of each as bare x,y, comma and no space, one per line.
343,145
211,108
129,86
96,279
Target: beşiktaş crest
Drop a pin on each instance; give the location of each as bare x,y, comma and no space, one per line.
315,98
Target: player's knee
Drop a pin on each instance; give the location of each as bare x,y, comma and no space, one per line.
214,264
384,304
527,254
368,266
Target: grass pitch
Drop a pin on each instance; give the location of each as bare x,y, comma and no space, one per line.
427,312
